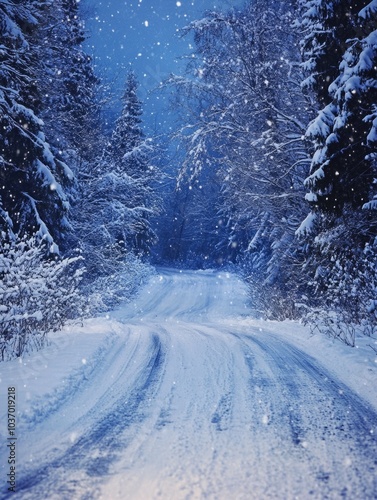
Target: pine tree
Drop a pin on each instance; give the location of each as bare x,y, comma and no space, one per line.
113,214
33,182
341,229
129,153
67,82
342,172
325,26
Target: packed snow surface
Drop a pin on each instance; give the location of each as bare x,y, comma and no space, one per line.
182,395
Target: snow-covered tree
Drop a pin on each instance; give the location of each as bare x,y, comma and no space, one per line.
67,81
118,197
324,26
245,115
342,169
129,154
34,183
341,228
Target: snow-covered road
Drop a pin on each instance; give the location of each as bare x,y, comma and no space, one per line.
185,401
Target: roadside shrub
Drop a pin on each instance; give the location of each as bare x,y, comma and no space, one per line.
343,303
104,293
38,294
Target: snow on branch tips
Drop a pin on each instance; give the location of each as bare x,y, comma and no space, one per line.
368,11
307,225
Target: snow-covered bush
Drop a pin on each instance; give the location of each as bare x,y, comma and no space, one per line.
343,288
37,295
273,299
108,291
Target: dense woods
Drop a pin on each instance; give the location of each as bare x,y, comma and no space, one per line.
276,173
278,120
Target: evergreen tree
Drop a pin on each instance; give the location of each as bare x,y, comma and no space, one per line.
113,214
33,182
342,169
340,231
129,153
67,82
324,27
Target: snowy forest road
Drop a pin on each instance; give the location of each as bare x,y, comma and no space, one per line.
188,403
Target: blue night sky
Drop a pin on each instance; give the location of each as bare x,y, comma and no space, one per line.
142,34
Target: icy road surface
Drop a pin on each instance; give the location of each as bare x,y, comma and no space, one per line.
185,401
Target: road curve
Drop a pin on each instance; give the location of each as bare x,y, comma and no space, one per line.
189,404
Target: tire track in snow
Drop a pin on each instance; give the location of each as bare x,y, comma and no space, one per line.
204,371
330,428
82,398
78,472
223,412
304,371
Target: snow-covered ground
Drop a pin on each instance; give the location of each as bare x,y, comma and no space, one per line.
182,395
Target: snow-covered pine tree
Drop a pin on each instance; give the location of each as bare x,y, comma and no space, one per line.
113,214
340,229
341,171
33,182
129,157
67,81
324,26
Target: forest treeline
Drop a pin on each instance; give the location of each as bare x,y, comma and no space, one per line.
277,133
